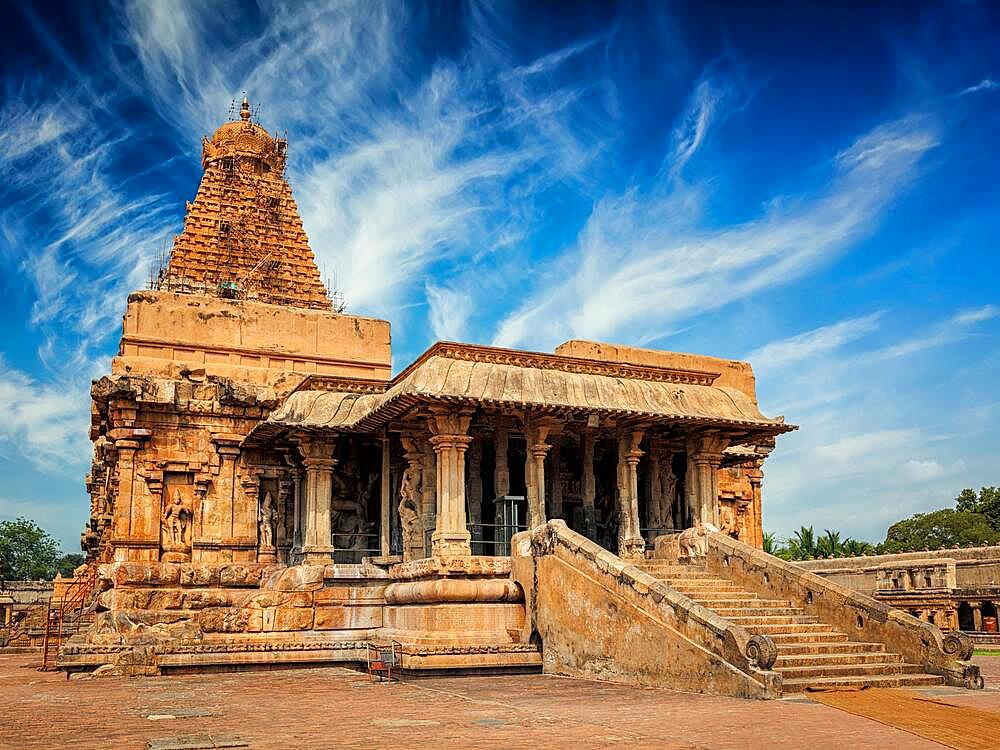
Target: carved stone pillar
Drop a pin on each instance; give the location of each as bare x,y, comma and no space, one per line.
501,473
450,440
537,432
317,456
385,517
654,509
588,484
555,481
429,490
977,617
474,489
756,476
411,493
630,541
707,457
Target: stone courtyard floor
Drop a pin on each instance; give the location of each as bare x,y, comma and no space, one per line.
337,708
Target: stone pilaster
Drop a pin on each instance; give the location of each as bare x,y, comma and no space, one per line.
450,441
555,481
317,456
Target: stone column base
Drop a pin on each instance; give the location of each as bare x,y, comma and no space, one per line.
451,543
318,554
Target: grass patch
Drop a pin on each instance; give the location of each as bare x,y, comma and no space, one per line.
986,652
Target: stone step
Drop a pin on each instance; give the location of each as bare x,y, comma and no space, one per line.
770,619
715,604
815,637
701,582
842,646
799,684
732,612
794,627
876,669
724,596
690,590
846,657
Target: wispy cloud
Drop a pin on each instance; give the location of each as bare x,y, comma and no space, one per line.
812,343
987,84
639,258
46,423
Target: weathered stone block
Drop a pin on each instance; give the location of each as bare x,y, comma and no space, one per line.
224,620
295,578
145,574
239,575
337,618
199,575
292,618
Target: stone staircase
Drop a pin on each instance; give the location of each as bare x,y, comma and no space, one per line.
811,654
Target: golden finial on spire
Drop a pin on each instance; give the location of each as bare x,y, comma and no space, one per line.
245,109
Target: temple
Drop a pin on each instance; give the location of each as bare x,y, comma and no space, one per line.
264,491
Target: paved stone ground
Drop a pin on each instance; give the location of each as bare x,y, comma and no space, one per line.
336,708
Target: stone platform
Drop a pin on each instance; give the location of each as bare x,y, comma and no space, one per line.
446,613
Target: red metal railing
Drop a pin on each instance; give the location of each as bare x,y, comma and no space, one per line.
64,615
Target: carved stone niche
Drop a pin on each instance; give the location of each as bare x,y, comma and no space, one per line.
177,516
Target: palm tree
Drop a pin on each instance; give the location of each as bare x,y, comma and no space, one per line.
856,548
802,545
829,545
770,545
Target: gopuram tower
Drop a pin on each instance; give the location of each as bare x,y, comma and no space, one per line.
232,323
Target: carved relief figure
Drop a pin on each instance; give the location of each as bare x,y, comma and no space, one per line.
727,520
267,521
409,510
177,519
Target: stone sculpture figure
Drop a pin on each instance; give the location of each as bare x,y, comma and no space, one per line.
409,511
177,518
268,519
693,542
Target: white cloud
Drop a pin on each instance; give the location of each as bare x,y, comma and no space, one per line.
449,311
639,262
812,343
987,84
45,423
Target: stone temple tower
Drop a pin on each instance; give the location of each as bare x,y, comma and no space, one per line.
233,322
243,237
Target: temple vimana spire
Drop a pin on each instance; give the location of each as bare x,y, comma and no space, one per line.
264,491
243,237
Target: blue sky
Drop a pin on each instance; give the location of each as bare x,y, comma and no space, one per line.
809,187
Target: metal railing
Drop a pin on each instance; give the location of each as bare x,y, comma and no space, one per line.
64,616
350,549
492,539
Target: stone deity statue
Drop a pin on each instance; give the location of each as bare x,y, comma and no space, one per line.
177,518
268,519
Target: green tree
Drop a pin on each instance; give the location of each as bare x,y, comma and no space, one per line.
802,545
940,529
830,544
69,562
986,503
770,543
27,552
856,548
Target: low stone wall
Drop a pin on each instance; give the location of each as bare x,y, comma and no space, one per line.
600,617
963,568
